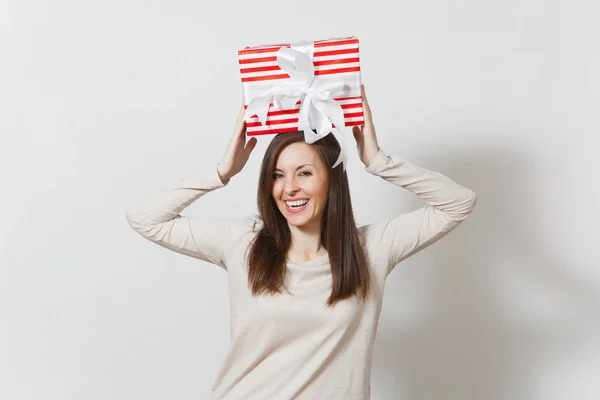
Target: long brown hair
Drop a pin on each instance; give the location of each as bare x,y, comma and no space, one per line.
339,235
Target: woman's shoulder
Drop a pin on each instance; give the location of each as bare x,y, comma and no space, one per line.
255,223
244,231
245,228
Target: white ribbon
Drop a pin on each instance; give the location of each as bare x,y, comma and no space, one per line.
318,109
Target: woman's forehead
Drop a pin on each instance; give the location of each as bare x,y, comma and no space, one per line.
297,154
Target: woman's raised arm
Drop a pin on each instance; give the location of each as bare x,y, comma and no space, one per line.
158,218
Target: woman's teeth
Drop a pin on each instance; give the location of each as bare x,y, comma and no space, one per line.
298,203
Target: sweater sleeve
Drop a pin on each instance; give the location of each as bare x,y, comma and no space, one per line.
447,204
158,219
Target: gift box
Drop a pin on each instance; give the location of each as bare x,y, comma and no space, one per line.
297,86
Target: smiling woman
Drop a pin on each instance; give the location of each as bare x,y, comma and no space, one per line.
305,284
296,183
306,210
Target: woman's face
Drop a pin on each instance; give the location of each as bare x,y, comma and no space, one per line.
300,185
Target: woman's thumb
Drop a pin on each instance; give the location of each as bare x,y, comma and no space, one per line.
250,145
357,134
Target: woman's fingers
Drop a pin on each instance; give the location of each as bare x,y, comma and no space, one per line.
366,107
240,125
250,145
357,132
242,112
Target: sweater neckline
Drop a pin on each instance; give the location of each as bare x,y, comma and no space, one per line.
323,259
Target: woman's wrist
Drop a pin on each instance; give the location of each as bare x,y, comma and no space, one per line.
222,175
371,156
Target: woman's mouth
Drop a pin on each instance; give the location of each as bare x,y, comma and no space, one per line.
296,206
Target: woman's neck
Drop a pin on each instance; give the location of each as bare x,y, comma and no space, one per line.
306,243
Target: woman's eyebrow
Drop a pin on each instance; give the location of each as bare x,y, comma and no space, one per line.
299,167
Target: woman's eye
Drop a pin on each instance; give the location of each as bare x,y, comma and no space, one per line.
303,173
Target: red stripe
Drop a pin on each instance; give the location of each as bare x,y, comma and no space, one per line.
274,130
337,71
297,110
284,76
334,52
291,120
276,47
260,69
347,98
265,78
335,43
271,131
283,112
271,48
257,60
353,115
351,105
275,122
354,123
335,98
317,64
316,54
340,61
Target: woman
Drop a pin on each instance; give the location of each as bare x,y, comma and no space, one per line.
305,284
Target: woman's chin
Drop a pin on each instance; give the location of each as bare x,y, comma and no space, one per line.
296,221
300,222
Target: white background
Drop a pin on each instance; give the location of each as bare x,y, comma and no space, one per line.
102,103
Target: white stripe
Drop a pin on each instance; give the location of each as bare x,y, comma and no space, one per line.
259,64
276,117
262,73
337,66
351,80
350,101
277,128
337,39
356,102
337,47
295,116
331,45
274,51
280,72
336,57
355,119
271,127
274,62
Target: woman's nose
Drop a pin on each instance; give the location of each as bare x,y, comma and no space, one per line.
290,186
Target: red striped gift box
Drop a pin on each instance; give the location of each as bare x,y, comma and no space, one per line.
333,59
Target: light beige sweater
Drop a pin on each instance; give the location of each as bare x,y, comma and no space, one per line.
292,346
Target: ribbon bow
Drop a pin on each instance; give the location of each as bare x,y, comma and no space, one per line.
318,109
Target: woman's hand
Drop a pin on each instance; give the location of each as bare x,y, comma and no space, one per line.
365,136
237,152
